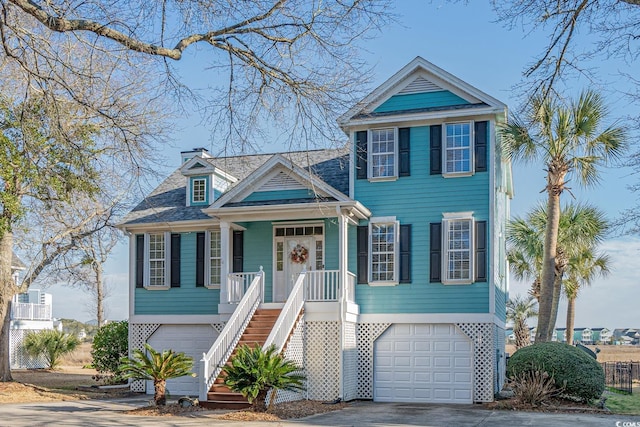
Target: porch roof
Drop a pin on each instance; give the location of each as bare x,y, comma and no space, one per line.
167,203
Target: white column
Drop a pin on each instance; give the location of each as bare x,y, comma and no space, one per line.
227,259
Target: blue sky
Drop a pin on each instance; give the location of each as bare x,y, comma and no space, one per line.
465,41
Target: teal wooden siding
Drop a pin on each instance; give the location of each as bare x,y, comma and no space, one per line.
187,299
420,100
263,196
419,200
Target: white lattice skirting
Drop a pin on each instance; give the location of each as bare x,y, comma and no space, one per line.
18,357
322,360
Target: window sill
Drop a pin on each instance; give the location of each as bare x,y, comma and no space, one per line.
157,287
212,286
377,284
383,179
457,174
462,282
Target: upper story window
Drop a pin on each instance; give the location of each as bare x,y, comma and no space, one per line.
382,154
458,148
383,149
199,190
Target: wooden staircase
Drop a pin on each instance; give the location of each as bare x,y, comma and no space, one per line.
256,333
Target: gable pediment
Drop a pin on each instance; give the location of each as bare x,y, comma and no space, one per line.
420,87
278,181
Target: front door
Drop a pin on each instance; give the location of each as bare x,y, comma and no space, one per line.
298,255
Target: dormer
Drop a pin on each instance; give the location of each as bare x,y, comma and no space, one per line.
201,152
205,182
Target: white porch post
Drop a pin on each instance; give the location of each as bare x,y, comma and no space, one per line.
225,247
342,265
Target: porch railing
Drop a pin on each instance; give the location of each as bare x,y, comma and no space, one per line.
237,285
322,285
219,353
30,311
288,316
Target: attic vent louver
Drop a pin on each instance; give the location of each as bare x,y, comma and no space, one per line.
281,181
197,166
420,85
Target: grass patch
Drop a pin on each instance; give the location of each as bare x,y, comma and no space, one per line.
626,404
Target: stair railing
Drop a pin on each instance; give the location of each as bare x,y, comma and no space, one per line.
214,360
288,316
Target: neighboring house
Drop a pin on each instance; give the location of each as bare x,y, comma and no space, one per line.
386,257
601,335
30,312
582,336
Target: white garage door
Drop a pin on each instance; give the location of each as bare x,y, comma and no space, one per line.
193,340
431,363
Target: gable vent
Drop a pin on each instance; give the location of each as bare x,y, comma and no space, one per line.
420,85
281,181
197,166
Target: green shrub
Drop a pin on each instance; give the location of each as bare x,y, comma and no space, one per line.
572,369
50,343
110,344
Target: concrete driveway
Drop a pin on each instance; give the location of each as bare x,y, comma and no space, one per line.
109,413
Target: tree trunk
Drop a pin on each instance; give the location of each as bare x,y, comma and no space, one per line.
557,290
548,266
99,294
522,334
260,402
8,289
571,312
160,389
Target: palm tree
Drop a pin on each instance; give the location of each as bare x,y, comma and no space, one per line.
157,367
581,227
519,309
254,371
583,268
50,343
569,142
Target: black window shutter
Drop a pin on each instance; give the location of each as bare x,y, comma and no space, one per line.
404,151
139,260
480,145
175,260
481,251
435,258
361,154
405,253
238,251
200,259
363,254
436,149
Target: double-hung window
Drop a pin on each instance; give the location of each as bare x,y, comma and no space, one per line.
458,148
458,244
157,259
382,153
215,258
209,259
384,248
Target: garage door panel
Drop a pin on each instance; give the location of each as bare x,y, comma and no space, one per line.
423,363
193,340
